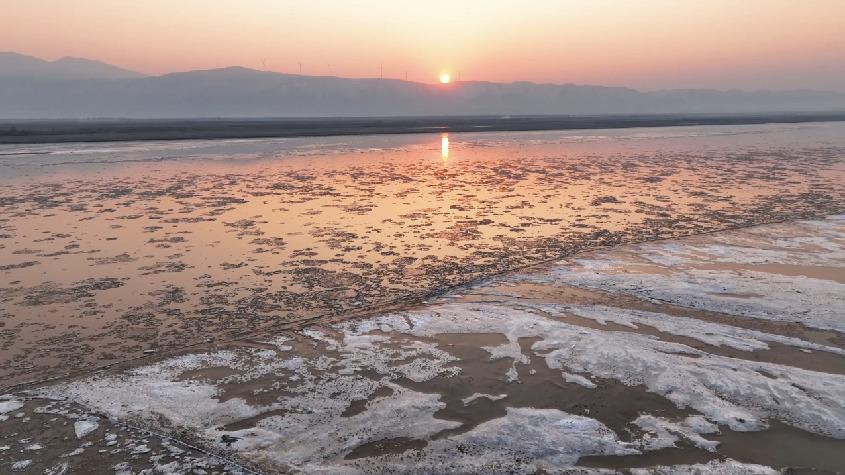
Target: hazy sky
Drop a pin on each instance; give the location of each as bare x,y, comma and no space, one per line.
647,44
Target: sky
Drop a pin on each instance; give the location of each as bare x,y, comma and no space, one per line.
644,44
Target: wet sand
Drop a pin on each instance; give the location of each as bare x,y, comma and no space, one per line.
480,304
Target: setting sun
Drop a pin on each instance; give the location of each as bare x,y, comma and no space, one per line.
445,78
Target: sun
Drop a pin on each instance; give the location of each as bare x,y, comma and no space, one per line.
445,78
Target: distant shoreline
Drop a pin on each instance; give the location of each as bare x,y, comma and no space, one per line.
122,130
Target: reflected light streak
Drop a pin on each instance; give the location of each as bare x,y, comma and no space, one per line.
444,147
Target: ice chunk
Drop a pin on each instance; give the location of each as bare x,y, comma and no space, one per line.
10,405
84,427
21,465
469,399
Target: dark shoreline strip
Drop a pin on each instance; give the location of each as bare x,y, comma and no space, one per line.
116,130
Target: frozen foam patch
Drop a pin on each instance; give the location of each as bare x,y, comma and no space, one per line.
741,394
60,468
10,405
816,242
318,335
578,379
662,433
153,391
727,272
676,254
816,303
706,332
715,467
524,441
306,441
545,436
305,422
21,465
470,399
511,350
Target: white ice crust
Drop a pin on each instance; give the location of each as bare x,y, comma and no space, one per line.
521,442
715,467
738,393
10,405
706,332
815,303
309,431
726,273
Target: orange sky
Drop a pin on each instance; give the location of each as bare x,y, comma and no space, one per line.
647,44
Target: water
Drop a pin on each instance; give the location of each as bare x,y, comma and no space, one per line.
109,251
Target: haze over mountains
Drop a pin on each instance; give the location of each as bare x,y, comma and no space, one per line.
31,88
13,65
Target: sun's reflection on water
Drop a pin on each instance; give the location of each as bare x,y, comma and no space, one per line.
444,147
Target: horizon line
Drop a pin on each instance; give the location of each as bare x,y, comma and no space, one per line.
409,81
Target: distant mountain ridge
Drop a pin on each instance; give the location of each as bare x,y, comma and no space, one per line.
31,88
14,65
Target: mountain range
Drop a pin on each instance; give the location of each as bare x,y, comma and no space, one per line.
31,88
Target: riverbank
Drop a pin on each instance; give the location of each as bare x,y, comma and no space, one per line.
118,130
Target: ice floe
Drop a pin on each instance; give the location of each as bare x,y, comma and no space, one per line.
10,405
475,396
578,379
21,465
524,441
319,390
741,394
707,332
815,303
662,433
85,427
303,441
306,427
688,277
715,467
